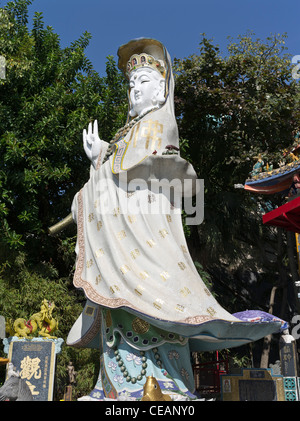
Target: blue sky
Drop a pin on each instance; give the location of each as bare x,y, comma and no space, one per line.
178,24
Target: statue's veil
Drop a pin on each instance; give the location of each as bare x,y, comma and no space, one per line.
159,52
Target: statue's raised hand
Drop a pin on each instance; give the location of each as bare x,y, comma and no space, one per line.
92,142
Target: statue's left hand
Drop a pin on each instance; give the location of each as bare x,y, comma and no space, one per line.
92,143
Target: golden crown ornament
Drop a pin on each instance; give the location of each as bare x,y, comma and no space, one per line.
145,60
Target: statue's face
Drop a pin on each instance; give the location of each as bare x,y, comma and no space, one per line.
146,87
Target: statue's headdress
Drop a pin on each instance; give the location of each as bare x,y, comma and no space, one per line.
142,52
137,61
148,52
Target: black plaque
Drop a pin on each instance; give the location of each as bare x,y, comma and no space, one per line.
253,384
257,390
35,362
288,359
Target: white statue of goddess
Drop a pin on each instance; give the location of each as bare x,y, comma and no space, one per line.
147,307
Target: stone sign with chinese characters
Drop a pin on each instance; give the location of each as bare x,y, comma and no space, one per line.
34,359
288,358
288,355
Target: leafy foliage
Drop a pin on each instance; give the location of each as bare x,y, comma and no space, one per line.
230,109
48,96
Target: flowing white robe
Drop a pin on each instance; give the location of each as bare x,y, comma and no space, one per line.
131,249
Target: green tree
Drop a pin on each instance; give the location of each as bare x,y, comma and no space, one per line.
229,109
48,96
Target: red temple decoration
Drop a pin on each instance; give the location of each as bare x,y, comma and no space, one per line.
284,180
286,216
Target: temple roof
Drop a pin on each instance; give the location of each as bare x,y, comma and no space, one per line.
275,181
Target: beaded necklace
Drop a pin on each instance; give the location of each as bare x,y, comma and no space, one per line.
121,133
125,372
